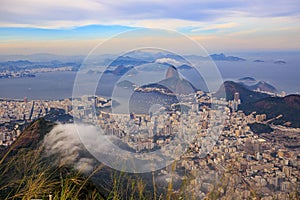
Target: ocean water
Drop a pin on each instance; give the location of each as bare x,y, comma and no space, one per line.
46,86
59,85
283,77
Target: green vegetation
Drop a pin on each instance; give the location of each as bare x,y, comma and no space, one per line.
260,128
284,110
26,173
246,95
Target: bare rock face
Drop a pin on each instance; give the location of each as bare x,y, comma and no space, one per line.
176,84
172,73
169,91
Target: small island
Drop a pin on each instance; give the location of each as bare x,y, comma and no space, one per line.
126,84
280,62
258,61
247,78
223,57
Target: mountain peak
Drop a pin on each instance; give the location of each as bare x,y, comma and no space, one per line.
172,72
246,95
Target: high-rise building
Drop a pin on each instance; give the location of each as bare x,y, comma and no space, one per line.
96,101
236,101
132,116
236,96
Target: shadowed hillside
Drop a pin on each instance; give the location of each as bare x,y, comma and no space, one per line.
288,107
246,95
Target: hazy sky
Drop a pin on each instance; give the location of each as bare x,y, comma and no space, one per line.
75,27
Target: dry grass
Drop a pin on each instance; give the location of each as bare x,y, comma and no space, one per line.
27,175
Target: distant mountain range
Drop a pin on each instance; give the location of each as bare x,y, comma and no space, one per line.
119,71
19,65
127,61
42,57
131,59
138,58
223,57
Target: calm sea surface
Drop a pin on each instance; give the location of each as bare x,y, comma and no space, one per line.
59,85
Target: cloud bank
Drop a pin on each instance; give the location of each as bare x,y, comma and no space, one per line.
66,13
64,143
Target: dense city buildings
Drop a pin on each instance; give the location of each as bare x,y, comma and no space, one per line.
16,114
225,156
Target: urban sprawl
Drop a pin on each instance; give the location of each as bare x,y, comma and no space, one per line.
238,161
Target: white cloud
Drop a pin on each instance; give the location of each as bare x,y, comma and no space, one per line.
81,12
168,60
206,19
64,142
